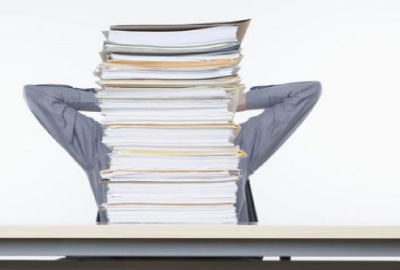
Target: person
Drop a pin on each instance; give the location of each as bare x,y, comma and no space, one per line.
284,108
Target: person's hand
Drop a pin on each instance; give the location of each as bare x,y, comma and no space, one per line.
241,106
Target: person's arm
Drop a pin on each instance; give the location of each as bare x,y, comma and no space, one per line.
56,108
285,106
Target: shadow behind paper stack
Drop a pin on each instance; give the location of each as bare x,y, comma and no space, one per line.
168,97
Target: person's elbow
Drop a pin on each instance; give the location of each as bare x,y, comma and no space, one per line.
310,92
30,93
38,93
315,90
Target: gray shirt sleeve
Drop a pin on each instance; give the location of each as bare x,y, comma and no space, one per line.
285,106
56,108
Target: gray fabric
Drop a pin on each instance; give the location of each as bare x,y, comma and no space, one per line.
284,106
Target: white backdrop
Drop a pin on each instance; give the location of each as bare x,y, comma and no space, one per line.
338,168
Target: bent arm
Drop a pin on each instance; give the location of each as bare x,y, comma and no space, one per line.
285,108
56,108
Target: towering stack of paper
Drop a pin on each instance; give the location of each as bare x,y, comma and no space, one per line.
168,95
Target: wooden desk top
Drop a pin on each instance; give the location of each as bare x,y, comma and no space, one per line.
169,231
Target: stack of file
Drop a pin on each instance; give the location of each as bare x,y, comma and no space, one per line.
168,98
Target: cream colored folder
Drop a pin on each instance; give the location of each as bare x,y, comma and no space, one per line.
225,81
175,64
105,172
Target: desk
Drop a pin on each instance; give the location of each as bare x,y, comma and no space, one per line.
149,241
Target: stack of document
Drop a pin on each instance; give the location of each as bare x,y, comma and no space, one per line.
168,98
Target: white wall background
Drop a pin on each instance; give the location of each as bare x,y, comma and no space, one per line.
339,168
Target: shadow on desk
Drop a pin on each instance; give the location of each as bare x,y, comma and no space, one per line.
79,258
